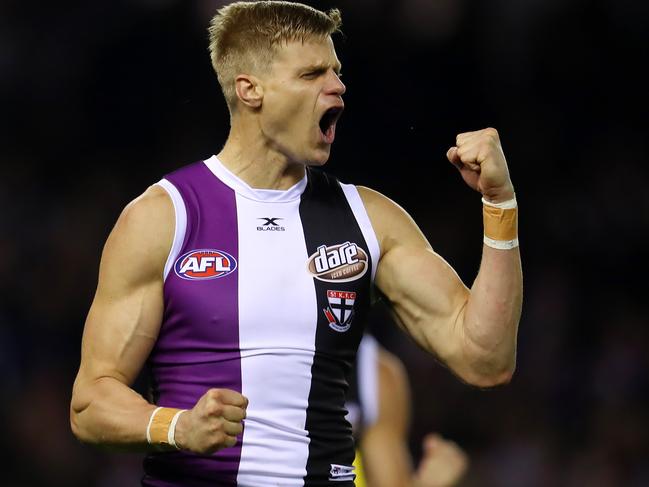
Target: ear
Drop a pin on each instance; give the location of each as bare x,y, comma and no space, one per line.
249,90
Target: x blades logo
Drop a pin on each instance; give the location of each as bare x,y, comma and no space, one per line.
340,311
270,225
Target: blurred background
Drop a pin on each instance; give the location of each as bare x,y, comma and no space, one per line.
100,99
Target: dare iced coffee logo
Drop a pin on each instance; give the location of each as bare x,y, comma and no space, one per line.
338,263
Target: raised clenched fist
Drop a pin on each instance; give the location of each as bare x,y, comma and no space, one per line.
213,423
481,162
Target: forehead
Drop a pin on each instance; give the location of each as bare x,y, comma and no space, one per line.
311,52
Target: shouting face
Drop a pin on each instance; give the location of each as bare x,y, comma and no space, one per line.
302,100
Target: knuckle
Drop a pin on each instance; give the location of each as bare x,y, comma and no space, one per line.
217,425
215,442
492,136
213,409
213,429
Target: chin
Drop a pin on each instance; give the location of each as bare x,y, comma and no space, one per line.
320,158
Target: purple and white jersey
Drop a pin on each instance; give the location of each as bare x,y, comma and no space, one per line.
265,293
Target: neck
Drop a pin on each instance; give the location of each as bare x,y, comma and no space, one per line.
251,158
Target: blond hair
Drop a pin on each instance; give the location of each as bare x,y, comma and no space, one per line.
244,36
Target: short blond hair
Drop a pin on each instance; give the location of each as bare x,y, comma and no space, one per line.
244,36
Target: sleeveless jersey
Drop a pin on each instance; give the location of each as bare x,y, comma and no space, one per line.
265,293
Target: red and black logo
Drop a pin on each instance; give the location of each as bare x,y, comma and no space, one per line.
340,311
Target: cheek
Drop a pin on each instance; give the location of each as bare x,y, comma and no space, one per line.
288,111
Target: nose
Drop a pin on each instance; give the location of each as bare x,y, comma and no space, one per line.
335,86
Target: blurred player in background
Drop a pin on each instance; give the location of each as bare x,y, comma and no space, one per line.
243,280
379,411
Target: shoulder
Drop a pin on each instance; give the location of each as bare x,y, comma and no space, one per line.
142,237
153,206
150,216
391,223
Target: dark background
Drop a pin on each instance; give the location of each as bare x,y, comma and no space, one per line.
100,99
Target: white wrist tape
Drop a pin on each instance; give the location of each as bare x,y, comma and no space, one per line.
148,426
504,205
500,244
171,435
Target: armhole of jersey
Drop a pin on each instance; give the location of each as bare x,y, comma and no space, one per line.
368,379
180,227
363,219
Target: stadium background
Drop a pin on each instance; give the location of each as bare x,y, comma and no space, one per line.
99,99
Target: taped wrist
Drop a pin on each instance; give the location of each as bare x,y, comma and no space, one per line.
161,430
500,224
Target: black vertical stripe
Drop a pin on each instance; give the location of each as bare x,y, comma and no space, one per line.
327,219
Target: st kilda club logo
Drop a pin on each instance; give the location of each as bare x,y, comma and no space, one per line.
204,264
338,263
340,311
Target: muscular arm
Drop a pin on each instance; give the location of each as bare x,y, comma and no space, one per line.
472,330
122,325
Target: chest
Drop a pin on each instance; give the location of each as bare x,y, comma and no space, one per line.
271,271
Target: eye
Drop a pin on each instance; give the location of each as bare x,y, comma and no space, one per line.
312,74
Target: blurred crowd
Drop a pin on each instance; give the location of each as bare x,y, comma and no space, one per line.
98,100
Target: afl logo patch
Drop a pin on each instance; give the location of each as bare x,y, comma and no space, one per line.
338,263
204,264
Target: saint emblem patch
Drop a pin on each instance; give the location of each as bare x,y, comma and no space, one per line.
340,311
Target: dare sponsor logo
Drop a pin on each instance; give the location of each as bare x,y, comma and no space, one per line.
204,264
338,263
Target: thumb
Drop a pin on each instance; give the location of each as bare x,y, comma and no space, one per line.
452,156
431,441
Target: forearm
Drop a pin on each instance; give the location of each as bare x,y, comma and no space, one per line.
489,324
107,412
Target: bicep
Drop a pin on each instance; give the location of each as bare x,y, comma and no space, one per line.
126,313
120,332
423,290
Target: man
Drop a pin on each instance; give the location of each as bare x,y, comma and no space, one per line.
379,412
243,280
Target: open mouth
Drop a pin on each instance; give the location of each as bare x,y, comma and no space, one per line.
328,123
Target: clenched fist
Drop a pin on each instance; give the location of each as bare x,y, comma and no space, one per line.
443,463
481,162
213,423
